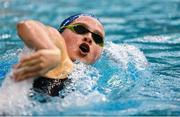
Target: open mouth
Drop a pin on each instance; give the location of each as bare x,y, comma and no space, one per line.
84,48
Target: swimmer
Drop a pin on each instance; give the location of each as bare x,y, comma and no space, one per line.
79,37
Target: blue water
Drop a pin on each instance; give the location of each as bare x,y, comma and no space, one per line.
138,73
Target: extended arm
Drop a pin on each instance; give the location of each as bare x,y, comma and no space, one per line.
50,56
35,35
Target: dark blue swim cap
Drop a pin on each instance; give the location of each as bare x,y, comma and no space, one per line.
70,19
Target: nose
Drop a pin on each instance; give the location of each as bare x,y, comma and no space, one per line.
88,38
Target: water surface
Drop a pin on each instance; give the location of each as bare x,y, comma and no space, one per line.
138,73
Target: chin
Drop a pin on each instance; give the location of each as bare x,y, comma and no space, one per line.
88,61
82,57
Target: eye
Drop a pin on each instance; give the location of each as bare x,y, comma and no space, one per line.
97,38
80,29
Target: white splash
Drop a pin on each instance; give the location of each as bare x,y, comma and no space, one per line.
13,97
84,80
5,36
156,38
124,54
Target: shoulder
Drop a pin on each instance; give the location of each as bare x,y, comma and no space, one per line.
55,34
56,37
53,31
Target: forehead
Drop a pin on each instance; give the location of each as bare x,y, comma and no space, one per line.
91,22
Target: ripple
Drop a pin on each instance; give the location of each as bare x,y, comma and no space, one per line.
122,55
113,20
145,35
5,36
156,38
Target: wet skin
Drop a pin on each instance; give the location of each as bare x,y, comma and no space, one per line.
74,40
55,52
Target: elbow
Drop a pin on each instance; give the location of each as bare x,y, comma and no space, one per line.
23,26
20,24
19,27
25,23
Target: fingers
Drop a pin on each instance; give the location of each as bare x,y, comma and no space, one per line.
36,64
30,66
30,59
15,66
30,63
33,56
26,76
27,72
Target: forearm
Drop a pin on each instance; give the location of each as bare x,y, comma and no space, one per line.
51,59
35,35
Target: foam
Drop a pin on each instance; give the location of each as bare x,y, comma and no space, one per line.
124,54
14,95
84,80
82,92
156,38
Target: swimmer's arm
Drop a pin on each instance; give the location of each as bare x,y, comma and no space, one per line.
47,55
58,40
35,35
66,65
46,58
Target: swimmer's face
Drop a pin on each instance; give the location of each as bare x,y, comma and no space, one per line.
82,46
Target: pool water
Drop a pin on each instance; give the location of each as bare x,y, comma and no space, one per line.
138,73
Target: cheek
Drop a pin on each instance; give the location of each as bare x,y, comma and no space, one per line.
96,53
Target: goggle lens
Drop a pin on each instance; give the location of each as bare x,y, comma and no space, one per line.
80,29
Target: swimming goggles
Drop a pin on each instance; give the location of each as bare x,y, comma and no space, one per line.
80,29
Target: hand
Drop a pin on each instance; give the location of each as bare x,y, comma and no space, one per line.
62,70
37,64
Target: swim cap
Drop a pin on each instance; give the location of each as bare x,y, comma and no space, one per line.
70,19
